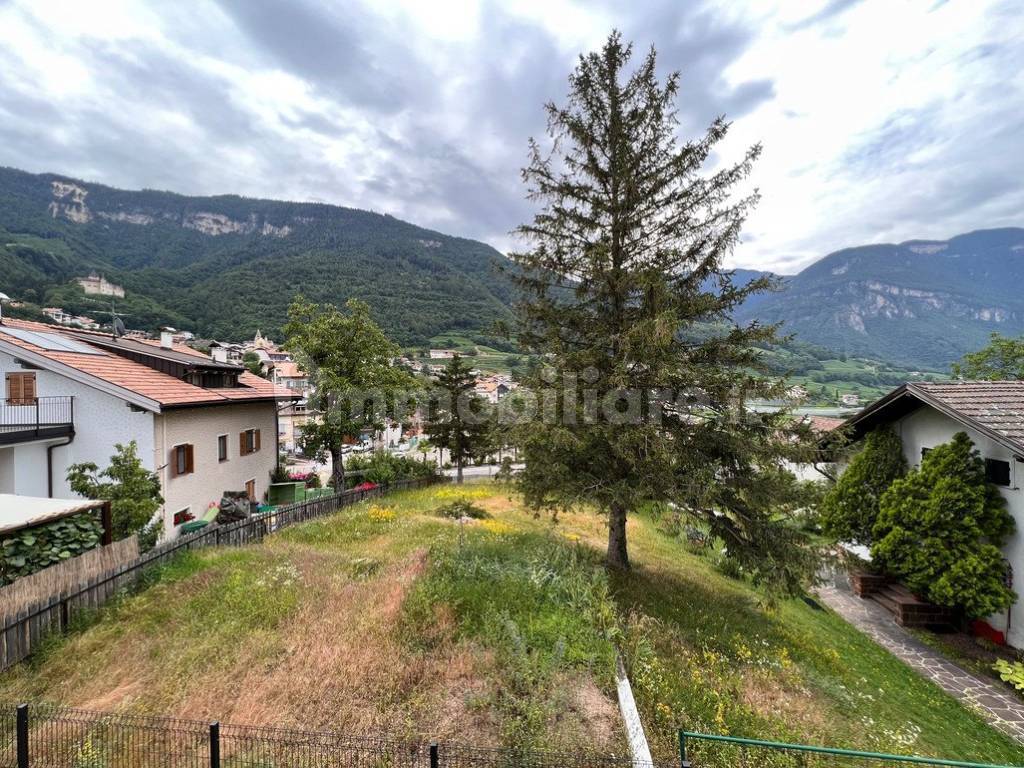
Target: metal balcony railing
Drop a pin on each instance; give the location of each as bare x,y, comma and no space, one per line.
36,418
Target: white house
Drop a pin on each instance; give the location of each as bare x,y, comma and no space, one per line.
991,413
70,396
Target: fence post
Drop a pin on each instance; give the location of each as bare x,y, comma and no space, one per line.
21,729
433,754
215,744
683,762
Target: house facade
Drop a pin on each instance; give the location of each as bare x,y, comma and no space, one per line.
991,413
69,397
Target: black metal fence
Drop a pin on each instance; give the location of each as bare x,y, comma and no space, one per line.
23,631
48,736
36,417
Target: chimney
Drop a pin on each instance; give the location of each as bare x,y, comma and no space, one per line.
167,338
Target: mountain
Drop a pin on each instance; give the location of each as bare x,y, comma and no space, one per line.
922,303
226,266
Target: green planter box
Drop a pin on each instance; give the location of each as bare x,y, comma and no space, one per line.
286,493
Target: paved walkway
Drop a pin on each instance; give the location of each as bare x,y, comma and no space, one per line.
999,706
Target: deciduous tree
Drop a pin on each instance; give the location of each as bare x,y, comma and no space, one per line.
354,381
1001,360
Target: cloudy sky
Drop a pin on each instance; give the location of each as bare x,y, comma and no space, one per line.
881,120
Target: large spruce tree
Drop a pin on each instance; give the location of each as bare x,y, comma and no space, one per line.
623,285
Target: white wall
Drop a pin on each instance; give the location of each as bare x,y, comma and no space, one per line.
927,428
101,420
200,426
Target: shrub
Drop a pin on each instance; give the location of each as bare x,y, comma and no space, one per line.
850,508
940,529
461,508
33,549
382,468
1011,672
133,491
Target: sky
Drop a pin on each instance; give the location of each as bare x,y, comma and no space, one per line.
881,120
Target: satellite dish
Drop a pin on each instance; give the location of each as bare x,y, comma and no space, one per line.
119,328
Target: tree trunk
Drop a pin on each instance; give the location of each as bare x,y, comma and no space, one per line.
458,471
617,556
337,470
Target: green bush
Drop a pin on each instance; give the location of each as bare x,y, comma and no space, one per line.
34,549
849,510
940,529
382,468
461,508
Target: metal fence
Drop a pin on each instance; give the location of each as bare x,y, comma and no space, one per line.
28,627
48,736
705,750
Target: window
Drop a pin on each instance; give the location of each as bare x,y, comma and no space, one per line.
997,472
248,442
222,447
21,389
924,452
182,460
183,516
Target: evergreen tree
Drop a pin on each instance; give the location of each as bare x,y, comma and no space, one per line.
849,510
941,527
132,490
354,383
624,284
458,418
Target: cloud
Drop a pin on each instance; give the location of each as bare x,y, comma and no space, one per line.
877,122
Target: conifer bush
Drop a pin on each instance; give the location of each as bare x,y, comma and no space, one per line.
940,529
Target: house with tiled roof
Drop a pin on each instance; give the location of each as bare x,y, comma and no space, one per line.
991,413
69,396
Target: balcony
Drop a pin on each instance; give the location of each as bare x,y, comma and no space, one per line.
37,418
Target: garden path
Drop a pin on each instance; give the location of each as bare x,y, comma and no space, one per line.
998,705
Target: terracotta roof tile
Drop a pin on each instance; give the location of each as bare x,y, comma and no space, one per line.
142,380
995,405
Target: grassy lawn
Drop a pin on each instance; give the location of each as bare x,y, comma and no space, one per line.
387,617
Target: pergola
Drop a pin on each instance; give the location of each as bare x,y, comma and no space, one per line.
20,512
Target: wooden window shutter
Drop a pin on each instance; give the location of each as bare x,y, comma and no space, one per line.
256,440
173,462
243,446
189,458
14,388
28,388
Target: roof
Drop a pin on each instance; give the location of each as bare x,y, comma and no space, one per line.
994,408
286,369
824,423
153,389
17,512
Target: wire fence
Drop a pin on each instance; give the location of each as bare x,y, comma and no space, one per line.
705,750
23,630
49,736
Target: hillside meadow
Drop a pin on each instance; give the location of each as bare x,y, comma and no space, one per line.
389,618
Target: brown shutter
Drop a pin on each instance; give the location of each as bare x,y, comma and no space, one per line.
13,388
242,447
28,388
189,459
173,463
256,441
